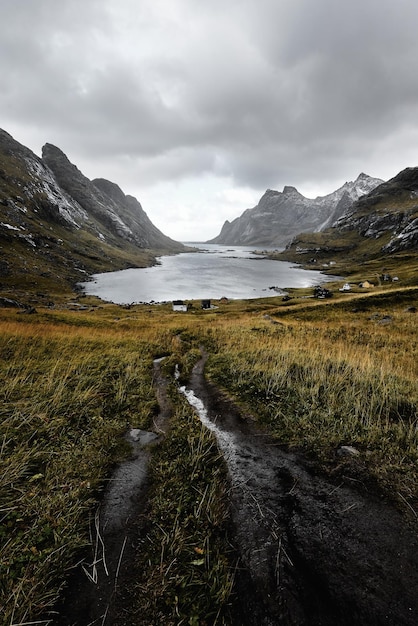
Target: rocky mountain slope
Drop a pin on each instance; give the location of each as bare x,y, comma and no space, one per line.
382,223
104,201
279,216
57,226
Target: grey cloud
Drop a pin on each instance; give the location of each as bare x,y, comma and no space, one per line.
264,92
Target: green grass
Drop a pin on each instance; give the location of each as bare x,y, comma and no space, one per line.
186,568
320,375
67,396
316,374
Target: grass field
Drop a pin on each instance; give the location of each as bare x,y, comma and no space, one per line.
316,374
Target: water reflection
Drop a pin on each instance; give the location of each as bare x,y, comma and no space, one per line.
212,272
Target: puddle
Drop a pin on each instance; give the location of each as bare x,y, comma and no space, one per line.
227,441
126,483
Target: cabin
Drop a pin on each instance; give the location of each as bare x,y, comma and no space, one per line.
206,304
345,287
178,305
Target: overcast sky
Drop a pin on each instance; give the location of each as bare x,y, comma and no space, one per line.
196,107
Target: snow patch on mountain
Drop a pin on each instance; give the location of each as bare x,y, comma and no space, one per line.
280,216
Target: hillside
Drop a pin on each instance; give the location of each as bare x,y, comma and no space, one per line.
279,216
57,226
381,227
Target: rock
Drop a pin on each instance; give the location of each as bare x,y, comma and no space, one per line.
28,310
386,319
4,268
8,303
144,437
347,451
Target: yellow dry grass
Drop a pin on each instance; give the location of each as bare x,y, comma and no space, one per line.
315,374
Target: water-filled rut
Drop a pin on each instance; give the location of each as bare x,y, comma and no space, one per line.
312,551
95,591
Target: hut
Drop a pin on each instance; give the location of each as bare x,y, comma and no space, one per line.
178,305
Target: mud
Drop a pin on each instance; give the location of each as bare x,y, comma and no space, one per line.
93,590
99,591
312,551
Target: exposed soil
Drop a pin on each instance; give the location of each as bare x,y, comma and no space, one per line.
312,552
96,589
99,591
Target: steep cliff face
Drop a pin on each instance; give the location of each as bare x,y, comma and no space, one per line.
390,211
106,203
26,183
56,226
279,216
385,221
130,211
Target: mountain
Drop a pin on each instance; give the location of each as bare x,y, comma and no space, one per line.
279,216
105,202
382,223
57,226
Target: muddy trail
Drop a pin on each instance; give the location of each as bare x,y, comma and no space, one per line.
100,589
311,552
95,593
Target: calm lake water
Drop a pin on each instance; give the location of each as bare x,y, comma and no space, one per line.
213,272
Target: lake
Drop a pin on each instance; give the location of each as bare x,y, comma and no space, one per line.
213,272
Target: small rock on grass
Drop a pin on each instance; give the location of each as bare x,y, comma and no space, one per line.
347,451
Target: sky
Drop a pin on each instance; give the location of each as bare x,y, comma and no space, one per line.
197,107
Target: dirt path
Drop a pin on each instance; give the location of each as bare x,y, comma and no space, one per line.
99,592
312,552
96,590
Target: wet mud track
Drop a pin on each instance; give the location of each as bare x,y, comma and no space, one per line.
100,590
95,591
312,551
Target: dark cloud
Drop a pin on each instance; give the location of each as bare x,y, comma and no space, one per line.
261,93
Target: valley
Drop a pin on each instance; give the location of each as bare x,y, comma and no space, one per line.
309,521
311,377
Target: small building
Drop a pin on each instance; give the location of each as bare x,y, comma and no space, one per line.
206,304
178,305
345,287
